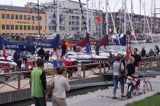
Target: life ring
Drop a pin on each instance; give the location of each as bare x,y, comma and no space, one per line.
29,65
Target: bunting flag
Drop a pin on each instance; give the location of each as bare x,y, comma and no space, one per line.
83,18
86,39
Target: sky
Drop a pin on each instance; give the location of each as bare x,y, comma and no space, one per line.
115,5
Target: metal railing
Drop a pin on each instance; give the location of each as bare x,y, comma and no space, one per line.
17,77
86,71
150,62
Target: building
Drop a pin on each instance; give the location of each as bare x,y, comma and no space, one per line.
71,21
140,23
21,20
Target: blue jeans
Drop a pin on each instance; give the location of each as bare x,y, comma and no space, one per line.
39,101
116,79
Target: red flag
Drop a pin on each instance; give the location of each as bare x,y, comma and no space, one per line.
4,53
98,19
128,50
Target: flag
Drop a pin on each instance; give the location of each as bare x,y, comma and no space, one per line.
67,45
128,50
98,19
4,53
61,18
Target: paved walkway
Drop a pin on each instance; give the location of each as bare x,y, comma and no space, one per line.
103,97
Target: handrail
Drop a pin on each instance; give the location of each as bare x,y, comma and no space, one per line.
84,68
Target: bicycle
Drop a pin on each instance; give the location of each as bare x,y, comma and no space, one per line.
136,88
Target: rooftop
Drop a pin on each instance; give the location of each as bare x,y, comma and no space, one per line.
18,8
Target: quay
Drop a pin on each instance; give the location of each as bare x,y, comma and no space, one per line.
18,88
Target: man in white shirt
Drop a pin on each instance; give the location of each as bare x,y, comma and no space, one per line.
59,85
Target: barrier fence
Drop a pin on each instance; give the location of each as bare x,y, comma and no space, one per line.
82,71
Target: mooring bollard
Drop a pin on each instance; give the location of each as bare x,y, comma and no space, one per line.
79,68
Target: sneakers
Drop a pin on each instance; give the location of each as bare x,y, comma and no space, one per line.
114,97
122,96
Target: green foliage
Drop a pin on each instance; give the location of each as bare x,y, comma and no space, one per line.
149,101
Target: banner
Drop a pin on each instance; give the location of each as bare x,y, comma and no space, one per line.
53,43
117,40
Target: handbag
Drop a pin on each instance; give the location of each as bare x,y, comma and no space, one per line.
121,72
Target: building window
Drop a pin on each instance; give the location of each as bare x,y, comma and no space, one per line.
32,27
7,27
25,27
12,27
29,28
50,27
16,27
17,17
25,17
20,27
20,17
33,18
36,27
3,16
29,17
40,27
40,17
8,16
3,26
12,16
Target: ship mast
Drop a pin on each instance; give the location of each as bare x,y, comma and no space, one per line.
107,17
58,11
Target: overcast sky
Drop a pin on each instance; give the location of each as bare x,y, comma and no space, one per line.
115,5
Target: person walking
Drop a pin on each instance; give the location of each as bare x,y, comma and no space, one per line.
97,47
41,52
117,68
143,52
151,53
59,85
38,84
137,59
132,76
157,50
64,49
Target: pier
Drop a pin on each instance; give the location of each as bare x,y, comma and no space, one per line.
17,88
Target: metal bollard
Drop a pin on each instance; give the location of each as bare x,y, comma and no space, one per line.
79,69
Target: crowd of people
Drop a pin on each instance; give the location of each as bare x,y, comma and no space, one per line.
122,68
152,52
120,74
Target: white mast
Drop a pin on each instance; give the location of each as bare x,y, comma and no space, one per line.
58,11
107,17
125,19
144,30
87,17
